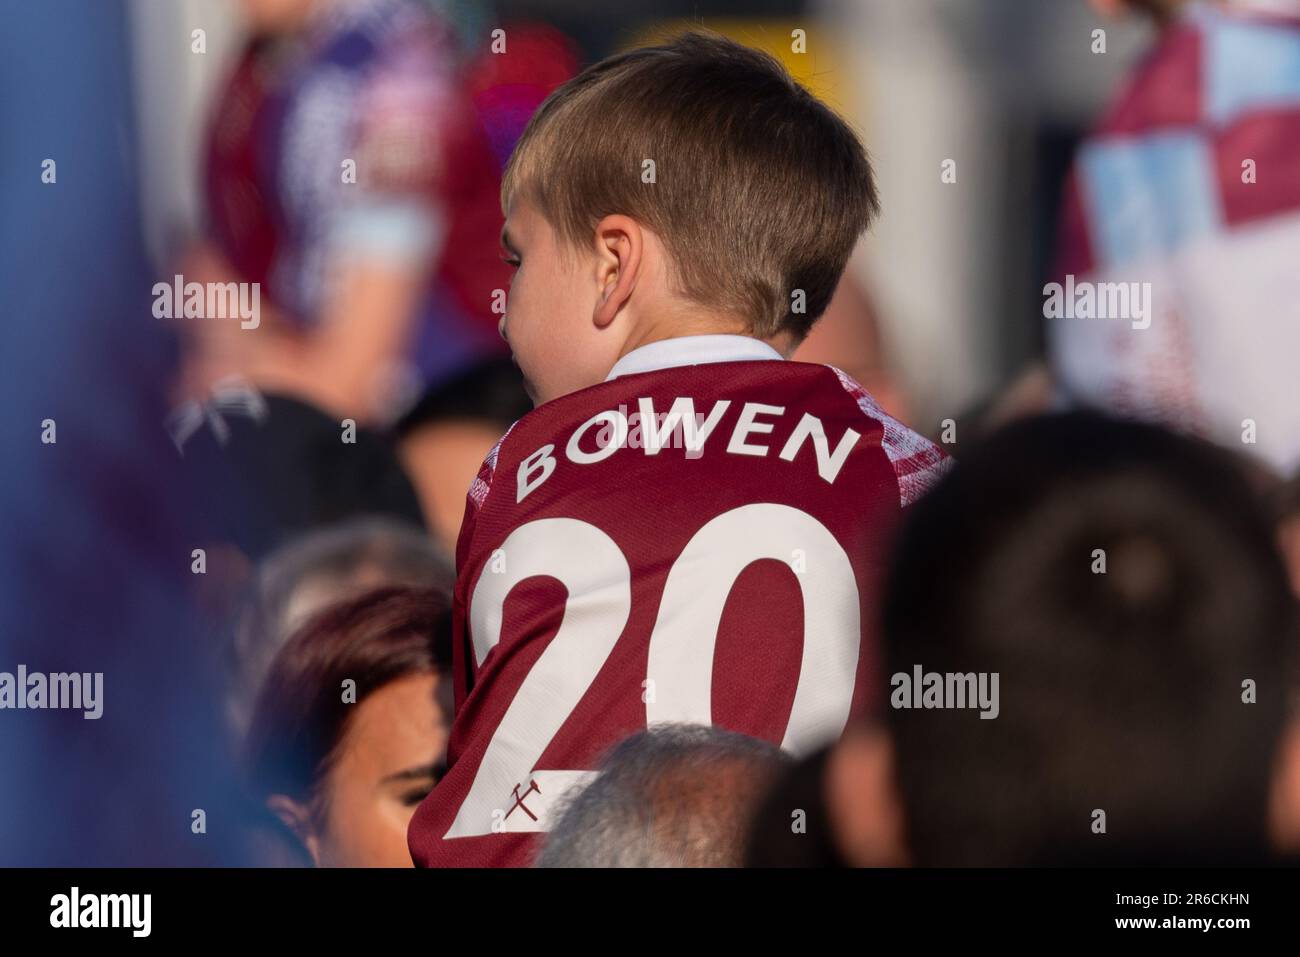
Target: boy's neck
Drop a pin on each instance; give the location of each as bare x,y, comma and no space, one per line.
712,326
692,350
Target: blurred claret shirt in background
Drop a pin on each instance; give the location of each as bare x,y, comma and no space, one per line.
352,169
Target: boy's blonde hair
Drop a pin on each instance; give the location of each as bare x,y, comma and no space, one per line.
760,191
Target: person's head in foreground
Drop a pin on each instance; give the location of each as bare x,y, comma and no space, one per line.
683,189
670,796
1124,585
350,729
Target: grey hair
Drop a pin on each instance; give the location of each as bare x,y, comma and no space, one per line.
335,557
674,795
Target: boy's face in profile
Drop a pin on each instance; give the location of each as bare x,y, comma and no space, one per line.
549,310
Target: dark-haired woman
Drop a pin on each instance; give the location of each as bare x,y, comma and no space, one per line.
349,732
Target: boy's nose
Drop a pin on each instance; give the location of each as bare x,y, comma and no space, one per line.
501,328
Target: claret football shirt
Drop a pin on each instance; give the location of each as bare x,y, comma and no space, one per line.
696,539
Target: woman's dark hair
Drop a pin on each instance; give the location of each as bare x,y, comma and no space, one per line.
301,713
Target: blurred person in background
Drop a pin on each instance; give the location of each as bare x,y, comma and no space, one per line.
98,516
1189,183
674,795
350,729
849,336
445,438
318,569
283,469
350,174
1124,584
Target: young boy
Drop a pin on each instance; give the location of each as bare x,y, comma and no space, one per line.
687,528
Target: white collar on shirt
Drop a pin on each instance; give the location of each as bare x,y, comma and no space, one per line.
691,351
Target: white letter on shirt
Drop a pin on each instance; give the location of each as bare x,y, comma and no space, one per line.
539,460
616,421
828,463
746,425
695,434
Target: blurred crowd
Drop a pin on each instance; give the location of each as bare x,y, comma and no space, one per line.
338,439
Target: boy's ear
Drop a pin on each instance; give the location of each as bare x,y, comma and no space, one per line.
620,245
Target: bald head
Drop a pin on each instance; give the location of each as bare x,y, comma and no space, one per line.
670,796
